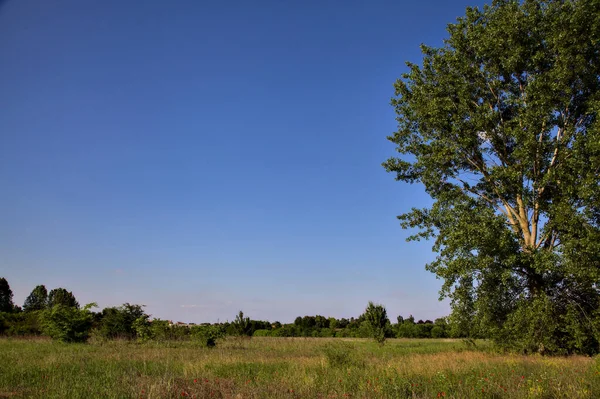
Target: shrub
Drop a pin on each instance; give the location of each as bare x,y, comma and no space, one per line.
67,323
118,322
19,324
207,336
543,325
343,333
437,332
423,330
160,330
142,328
327,332
406,330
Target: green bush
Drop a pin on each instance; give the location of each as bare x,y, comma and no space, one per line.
142,328
327,333
160,330
543,325
406,330
343,333
284,331
118,322
423,330
437,332
20,324
207,336
66,323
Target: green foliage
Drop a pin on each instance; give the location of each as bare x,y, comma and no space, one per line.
541,325
67,323
377,321
37,300
242,325
118,322
285,331
437,332
131,322
423,330
364,330
20,324
112,324
333,323
6,295
142,328
501,127
326,333
207,336
405,330
532,328
161,330
60,296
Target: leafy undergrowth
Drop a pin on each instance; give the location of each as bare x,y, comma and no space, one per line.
289,368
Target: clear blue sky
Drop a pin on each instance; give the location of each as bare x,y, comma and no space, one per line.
206,157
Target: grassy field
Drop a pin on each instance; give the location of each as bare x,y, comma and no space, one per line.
288,368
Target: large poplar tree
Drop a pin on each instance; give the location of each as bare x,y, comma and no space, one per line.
501,127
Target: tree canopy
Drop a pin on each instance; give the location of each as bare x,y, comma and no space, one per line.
6,295
501,127
37,300
60,296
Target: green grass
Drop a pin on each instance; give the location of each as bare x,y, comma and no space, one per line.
288,368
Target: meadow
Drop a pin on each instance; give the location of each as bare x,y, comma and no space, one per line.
267,367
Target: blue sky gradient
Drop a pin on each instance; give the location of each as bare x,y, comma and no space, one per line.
206,157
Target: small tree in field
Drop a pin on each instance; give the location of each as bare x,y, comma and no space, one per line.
142,328
242,325
376,317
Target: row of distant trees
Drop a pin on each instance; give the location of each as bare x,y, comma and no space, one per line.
58,314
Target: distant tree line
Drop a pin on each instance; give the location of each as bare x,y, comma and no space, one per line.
57,314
